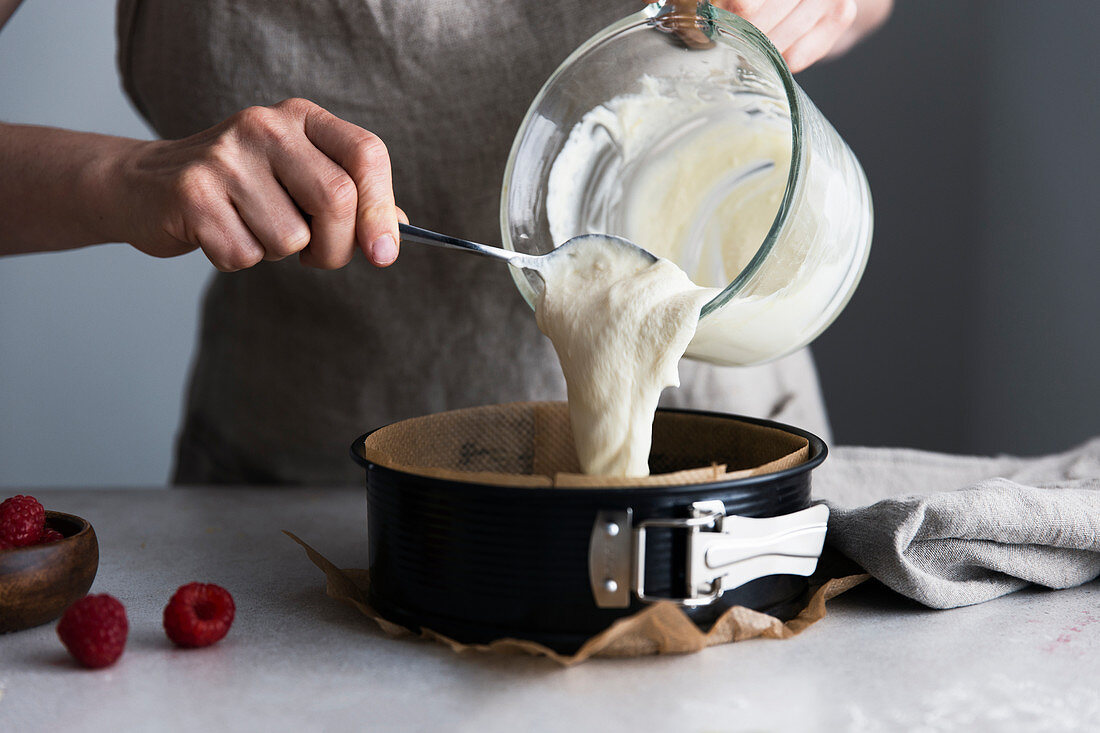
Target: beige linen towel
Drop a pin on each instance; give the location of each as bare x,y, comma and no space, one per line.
952,531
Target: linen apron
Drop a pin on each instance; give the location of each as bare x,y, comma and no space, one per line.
292,362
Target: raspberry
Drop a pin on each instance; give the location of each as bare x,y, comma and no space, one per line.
50,535
199,614
22,519
94,630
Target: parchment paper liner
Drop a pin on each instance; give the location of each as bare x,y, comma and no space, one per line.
662,628
530,444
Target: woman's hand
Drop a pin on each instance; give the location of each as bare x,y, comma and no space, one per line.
806,31
267,183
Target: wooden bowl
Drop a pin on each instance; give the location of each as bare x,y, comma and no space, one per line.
37,583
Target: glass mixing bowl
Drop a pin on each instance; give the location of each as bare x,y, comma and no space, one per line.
701,63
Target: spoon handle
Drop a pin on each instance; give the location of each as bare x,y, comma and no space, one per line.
424,236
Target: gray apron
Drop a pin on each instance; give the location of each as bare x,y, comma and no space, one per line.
293,363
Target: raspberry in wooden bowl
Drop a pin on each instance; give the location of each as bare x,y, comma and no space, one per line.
39,581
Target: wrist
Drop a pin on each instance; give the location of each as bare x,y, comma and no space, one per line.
105,189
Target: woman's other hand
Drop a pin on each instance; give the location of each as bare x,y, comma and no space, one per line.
806,31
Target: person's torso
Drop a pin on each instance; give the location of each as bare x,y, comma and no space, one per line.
293,362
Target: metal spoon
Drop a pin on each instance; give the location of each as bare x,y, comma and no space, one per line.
532,263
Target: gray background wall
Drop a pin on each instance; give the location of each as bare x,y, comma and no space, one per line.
975,327
973,330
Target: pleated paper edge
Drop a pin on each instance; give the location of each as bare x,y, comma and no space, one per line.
662,628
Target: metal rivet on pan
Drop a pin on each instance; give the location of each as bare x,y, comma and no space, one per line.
612,529
610,585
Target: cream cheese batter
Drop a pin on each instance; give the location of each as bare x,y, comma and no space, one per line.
694,171
619,324
688,174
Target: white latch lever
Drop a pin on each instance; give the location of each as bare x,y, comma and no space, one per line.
747,548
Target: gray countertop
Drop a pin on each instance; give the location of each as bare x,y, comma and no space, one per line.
296,659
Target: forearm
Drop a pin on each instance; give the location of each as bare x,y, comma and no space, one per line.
56,188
